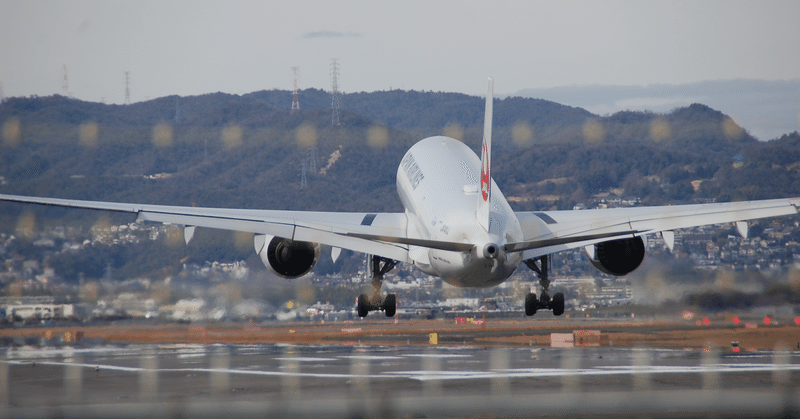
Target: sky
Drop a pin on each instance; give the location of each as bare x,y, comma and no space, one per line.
766,109
190,47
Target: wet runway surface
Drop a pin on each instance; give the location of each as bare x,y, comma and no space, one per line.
144,380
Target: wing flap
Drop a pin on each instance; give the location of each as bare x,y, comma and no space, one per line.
577,241
329,228
552,231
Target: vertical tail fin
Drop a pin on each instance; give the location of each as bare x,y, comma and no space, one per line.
485,195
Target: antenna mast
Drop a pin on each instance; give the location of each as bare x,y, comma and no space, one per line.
295,100
335,91
127,88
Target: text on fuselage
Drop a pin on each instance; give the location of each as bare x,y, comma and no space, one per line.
413,173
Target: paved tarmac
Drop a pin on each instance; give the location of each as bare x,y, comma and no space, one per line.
334,380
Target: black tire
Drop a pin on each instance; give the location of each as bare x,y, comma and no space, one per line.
558,304
390,305
363,307
531,304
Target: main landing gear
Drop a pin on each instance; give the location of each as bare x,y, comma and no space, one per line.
380,267
532,304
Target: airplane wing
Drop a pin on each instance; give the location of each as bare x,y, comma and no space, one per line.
547,232
385,234
360,232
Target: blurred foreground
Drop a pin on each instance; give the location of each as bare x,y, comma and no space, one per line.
502,369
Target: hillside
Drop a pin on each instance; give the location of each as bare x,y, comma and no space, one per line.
225,150
219,150
424,114
245,151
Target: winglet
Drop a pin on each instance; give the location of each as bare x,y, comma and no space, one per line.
485,196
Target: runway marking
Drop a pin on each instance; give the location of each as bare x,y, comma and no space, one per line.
437,356
371,357
92,366
105,367
308,359
34,352
599,371
421,375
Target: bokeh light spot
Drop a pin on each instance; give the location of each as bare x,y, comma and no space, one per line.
378,136
306,293
724,281
101,229
232,136
174,236
660,130
794,280
88,134
244,240
232,293
731,129
12,131
306,136
89,292
593,131
454,130
522,134
26,225
162,135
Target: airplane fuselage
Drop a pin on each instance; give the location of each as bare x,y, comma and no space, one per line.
438,183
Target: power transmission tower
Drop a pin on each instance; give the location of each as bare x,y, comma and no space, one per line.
295,100
334,91
65,82
312,160
127,88
303,178
308,165
177,117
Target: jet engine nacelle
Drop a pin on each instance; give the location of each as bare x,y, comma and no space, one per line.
288,258
617,257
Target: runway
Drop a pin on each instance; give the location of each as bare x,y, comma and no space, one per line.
335,380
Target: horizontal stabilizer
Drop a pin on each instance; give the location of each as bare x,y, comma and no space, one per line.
433,244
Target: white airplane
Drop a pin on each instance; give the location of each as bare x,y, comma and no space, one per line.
456,225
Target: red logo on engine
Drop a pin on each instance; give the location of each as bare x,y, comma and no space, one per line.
485,176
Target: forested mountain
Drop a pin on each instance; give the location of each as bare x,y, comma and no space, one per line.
249,151
424,114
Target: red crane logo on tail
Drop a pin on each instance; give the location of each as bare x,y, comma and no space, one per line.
485,176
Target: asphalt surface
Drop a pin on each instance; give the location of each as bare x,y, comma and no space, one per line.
199,380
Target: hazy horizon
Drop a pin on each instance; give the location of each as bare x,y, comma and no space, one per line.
193,47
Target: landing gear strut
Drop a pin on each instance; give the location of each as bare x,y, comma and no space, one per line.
380,267
532,304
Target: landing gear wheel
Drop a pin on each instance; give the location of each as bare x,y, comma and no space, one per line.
540,266
531,304
380,266
363,305
390,305
557,303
